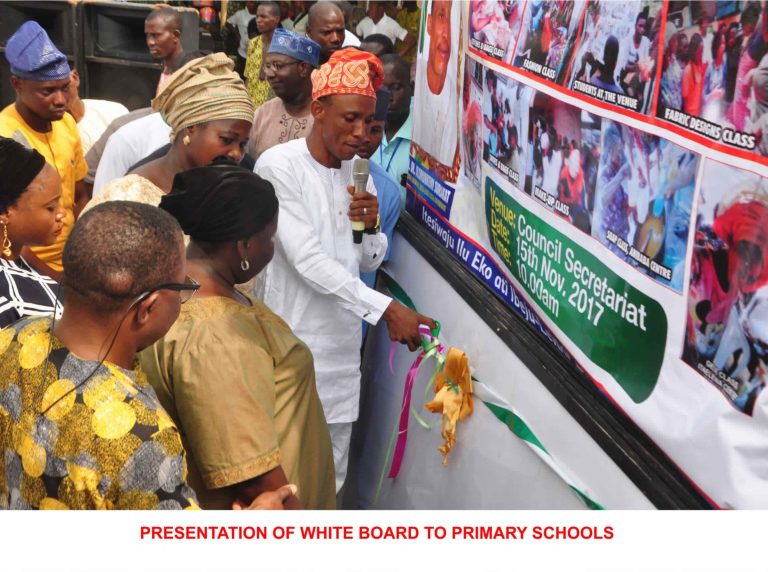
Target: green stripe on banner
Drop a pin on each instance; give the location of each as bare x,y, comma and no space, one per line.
512,420
515,424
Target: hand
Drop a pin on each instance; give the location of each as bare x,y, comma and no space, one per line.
403,324
364,206
273,500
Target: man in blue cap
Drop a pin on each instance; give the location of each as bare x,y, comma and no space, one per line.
39,120
288,68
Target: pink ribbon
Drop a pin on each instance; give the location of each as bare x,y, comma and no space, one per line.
428,350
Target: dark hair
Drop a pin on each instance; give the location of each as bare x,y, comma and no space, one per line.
221,203
169,16
716,41
382,40
693,47
401,65
750,14
273,5
610,58
119,249
18,168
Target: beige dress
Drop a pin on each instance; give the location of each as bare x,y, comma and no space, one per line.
241,388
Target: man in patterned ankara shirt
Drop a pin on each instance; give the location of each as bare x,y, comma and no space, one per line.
80,427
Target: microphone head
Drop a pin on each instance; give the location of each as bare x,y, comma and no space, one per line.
360,171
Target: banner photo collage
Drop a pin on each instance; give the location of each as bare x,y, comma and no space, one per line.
569,174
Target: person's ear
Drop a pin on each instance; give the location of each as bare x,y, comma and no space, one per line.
317,108
242,249
305,70
16,83
146,308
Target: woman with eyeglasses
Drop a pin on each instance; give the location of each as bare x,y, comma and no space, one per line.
31,214
210,114
231,374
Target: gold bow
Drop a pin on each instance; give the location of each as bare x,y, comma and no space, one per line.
453,397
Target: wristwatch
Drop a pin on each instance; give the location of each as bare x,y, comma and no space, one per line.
375,228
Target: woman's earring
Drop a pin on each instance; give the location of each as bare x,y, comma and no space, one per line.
245,265
185,140
6,243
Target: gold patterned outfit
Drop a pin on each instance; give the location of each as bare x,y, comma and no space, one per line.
258,89
241,388
103,444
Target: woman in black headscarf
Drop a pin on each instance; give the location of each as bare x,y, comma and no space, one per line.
231,373
30,215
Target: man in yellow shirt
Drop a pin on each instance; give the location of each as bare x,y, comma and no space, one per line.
38,120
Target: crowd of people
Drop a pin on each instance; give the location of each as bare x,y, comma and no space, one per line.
718,70
182,297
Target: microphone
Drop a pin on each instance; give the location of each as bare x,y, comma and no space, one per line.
360,171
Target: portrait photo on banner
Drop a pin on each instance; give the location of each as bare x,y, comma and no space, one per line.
547,37
505,125
714,79
726,339
494,26
472,122
564,153
615,57
436,109
643,200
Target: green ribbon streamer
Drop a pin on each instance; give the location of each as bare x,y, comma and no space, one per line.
514,422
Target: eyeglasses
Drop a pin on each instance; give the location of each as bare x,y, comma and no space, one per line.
277,66
186,290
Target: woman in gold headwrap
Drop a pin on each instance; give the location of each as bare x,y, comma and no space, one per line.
210,114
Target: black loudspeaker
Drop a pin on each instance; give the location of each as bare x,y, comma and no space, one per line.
117,63
59,19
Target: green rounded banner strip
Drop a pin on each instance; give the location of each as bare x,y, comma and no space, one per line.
618,327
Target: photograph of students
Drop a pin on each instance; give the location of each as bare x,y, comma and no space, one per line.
714,68
643,201
505,122
547,37
496,24
618,48
726,336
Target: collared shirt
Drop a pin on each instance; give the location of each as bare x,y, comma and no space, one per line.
62,150
393,155
313,280
389,210
387,26
129,145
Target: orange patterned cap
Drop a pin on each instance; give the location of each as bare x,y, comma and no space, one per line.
348,71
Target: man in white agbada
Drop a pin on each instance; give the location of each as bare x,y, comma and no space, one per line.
313,280
435,117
